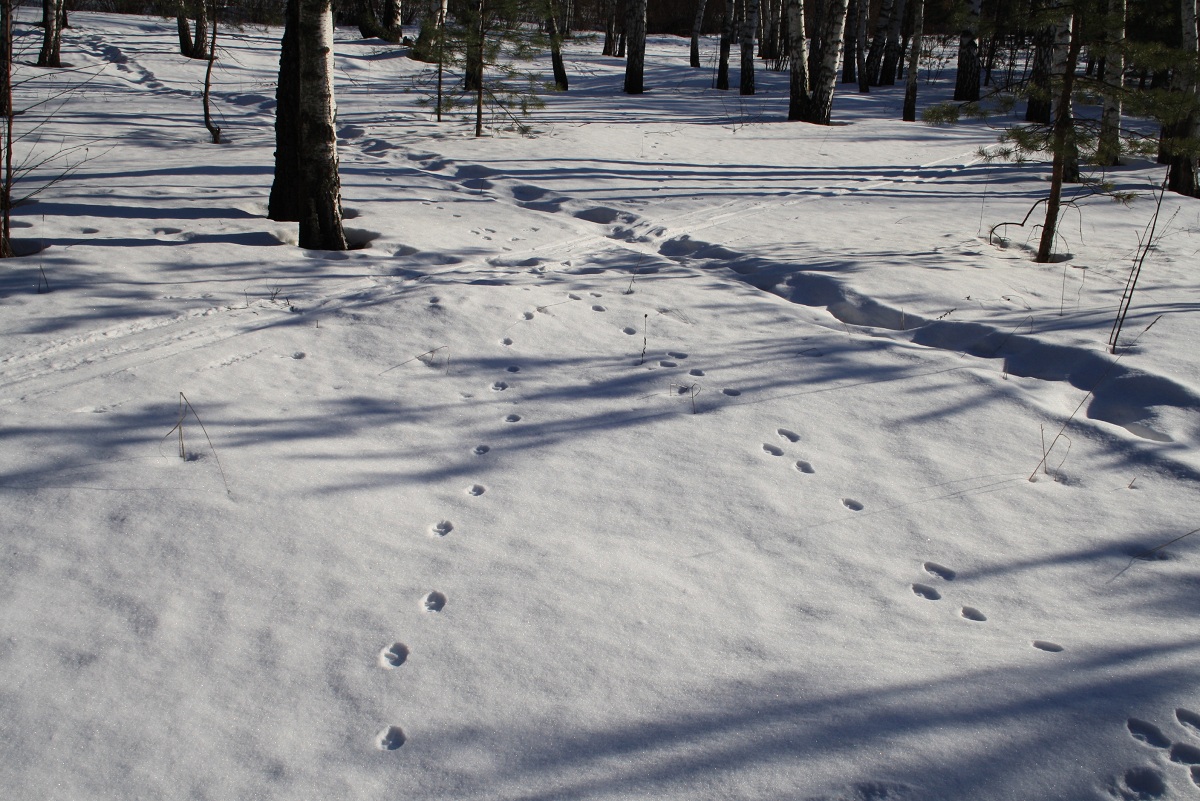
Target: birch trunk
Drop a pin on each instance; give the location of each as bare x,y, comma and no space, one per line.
321,203
49,56
694,55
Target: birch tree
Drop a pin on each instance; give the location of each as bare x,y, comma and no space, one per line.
321,192
811,90
697,24
49,56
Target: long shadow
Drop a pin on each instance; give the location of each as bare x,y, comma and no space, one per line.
783,724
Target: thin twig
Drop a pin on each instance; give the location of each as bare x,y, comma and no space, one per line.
1151,552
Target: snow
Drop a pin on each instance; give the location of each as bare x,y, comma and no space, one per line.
707,436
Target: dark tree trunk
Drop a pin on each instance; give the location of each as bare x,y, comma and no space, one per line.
966,85
891,50
849,61
6,179
914,62
556,58
749,28
635,61
879,42
1039,106
727,29
694,53
284,203
1062,139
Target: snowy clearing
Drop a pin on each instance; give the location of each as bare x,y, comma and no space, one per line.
672,452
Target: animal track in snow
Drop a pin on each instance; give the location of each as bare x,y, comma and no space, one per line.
1046,645
598,308
527,315
506,341
852,505
513,418
573,296
774,450
733,393
393,656
665,363
512,368
805,467
1185,754
499,386
790,436
595,294
435,602
674,354
480,450
1142,784
971,613
940,571
926,592
476,490
390,738
443,528
1147,733
1188,719
628,330
696,371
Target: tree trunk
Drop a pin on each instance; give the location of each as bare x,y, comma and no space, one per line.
1038,108
749,28
556,59
849,73
697,25
186,48
1108,150
321,210
1064,37
392,29
966,85
812,93
860,49
727,28
891,50
1181,172
635,61
200,39
49,56
914,62
800,94
284,203
1061,138
214,130
6,179
879,42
